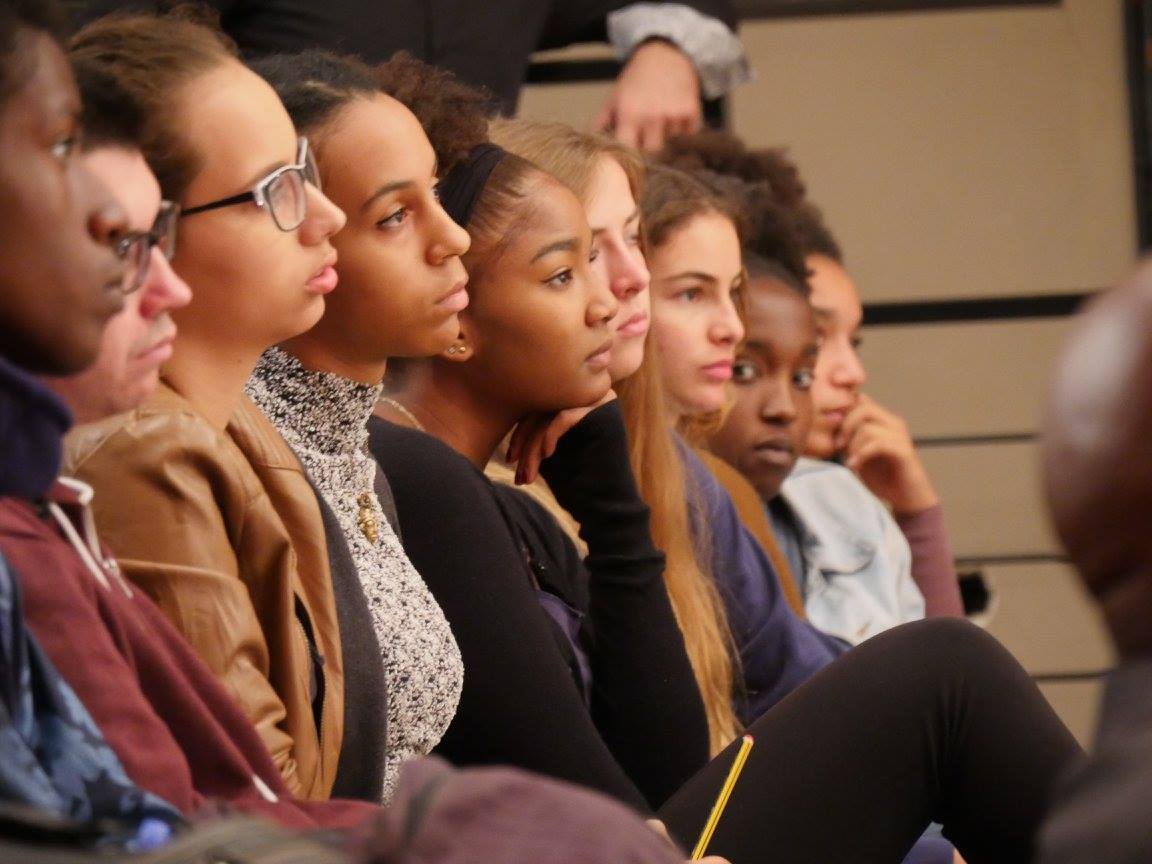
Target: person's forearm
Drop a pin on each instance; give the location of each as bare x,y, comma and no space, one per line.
707,41
645,698
933,568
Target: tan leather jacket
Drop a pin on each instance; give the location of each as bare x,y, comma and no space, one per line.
223,531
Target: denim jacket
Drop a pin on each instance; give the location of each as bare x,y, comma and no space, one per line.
857,567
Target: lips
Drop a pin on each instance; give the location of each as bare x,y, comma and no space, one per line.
455,300
636,325
601,357
158,352
835,416
324,280
721,370
777,451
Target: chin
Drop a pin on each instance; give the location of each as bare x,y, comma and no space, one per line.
706,402
821,444
308,318
626,361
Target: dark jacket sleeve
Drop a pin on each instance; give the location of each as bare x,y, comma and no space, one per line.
520,705
644,699
778,651
585,20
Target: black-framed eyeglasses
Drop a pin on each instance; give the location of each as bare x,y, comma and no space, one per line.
282,193
135,249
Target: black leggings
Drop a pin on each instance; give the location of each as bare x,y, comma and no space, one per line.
931,721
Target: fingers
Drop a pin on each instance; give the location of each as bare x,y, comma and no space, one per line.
866,452
627,131
604,121
536,437
867,414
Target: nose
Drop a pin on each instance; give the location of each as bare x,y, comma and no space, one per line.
627,273
779,405
846,368
163,290
449,240
107,221
602,303
726,328
322,220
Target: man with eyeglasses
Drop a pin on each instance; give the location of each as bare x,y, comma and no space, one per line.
138,339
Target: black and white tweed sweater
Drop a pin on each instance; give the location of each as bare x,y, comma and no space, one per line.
324,417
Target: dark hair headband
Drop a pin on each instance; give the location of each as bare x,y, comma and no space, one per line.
462,187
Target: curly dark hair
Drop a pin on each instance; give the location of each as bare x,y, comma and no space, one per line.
774,235
724,153
815,236
727,154
314,85
454,115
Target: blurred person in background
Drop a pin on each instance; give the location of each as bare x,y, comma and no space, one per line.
672,53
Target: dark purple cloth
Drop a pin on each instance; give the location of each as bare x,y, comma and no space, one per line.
33,421
933,567
778,651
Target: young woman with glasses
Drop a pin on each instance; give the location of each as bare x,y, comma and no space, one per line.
206,505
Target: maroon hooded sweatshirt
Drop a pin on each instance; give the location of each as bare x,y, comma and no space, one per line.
174,727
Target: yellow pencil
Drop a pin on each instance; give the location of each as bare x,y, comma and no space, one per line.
722,798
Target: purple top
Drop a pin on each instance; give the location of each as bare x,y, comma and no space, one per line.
933,569
778,651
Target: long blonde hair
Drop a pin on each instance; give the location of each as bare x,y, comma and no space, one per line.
572,157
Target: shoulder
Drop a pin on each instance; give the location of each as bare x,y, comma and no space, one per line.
165,423
424,471
828,485
165,442
259,439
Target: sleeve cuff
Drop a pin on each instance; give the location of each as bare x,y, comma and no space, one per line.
711,46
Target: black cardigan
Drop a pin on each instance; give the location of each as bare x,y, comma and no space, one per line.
644,732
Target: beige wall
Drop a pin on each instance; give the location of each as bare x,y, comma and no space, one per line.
962,154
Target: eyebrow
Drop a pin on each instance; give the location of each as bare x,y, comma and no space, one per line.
386,189
596,232
565,245
264,172
693,274
823,313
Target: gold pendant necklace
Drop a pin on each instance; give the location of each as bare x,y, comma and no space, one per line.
366,518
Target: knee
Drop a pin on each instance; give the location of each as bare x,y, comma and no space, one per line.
937,645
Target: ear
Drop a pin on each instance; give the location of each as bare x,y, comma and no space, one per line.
462,346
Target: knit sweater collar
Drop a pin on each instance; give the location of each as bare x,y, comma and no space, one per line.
327,412
33,421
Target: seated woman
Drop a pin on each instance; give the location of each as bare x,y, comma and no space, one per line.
401,286
847,424
600,691
852,561
209,508
694,519
607,178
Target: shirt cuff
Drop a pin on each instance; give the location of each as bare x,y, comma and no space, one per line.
713,48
